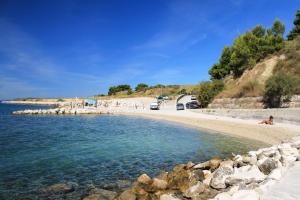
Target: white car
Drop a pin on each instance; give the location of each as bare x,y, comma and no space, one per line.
154,106
166,98
193,98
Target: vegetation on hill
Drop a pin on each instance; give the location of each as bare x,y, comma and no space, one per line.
275,77
285,80
119,88
143,89
296,30
248,49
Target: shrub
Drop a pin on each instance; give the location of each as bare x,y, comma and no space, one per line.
208,90
279,89
182,91
141,87
60,100
115,89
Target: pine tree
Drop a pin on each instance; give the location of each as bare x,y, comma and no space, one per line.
296,30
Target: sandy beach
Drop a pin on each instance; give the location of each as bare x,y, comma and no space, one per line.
269,134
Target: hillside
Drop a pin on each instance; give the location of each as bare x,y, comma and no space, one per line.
252,82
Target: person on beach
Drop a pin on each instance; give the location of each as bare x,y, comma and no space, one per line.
267,121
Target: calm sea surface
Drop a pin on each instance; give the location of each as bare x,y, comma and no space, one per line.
37,151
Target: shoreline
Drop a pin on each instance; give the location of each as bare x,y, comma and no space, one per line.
242,128
216,123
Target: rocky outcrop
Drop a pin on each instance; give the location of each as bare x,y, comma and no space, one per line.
244,177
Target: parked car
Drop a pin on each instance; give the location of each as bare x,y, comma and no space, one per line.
192,105
166,98
193,98
160,99
154,106
180,106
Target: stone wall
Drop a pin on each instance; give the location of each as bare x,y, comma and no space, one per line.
281,115
249,102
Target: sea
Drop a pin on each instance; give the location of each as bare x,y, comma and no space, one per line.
37,151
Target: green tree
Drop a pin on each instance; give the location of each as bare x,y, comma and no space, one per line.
240,56
247,50
141,87
222,69
279,88
296,30
115,89
208,90
278,28
259,31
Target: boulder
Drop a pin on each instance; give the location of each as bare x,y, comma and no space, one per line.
208,176
204,165
144,179
214,163
194,190
276,174
263,187
287,150
247,174
220,175
267,165
168,197
227,163
287,161
127,195
233,190
180,178
197,175
190,165
245,195
223,196
159,184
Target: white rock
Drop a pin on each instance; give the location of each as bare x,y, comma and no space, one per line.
252,153
220,175
238,158
248,174
263,187
288,161
245,195
223,196
207,178
194,190
233,190
276,174
168,197
227,163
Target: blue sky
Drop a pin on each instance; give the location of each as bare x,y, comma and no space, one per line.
65,48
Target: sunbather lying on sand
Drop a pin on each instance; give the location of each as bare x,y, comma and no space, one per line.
267,121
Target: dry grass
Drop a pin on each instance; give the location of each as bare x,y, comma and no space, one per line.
251,83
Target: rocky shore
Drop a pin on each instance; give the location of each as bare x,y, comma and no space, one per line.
241,177
59,111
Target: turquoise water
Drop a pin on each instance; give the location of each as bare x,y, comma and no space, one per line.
37,151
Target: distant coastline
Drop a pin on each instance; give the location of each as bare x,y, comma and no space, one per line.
247,127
